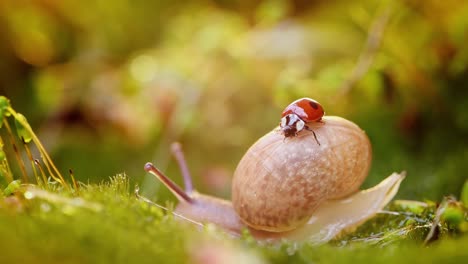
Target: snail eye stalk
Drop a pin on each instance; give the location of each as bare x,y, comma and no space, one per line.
172,186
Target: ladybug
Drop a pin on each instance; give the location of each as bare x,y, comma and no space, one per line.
296,116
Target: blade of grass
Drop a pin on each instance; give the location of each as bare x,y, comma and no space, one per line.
54,172
15,149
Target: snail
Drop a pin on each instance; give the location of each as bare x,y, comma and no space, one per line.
296,186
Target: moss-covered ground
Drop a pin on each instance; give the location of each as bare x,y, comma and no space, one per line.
107,223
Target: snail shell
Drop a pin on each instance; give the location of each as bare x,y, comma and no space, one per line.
280,182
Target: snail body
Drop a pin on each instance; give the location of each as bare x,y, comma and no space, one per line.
294,188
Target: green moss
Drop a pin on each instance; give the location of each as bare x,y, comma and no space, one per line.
120,230
106,223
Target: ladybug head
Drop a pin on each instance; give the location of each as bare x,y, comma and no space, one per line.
291,124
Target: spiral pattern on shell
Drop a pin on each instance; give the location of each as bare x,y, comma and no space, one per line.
281,181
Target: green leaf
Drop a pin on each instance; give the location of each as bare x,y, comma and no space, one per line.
464,194
12,187
4,104
2,154
22,131
453,215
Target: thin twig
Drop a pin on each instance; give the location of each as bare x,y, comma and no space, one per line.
369,51
434,232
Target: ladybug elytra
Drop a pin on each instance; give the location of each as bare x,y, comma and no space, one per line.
296,116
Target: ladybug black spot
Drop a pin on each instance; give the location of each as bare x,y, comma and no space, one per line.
313,104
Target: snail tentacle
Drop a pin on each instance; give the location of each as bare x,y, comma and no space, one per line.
178,153
172,186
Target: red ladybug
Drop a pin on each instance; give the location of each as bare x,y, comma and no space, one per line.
297,114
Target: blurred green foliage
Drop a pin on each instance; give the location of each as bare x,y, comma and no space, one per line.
108,85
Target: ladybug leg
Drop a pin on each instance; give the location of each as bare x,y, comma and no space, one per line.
315,136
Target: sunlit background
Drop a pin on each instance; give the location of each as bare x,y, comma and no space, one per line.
109,85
